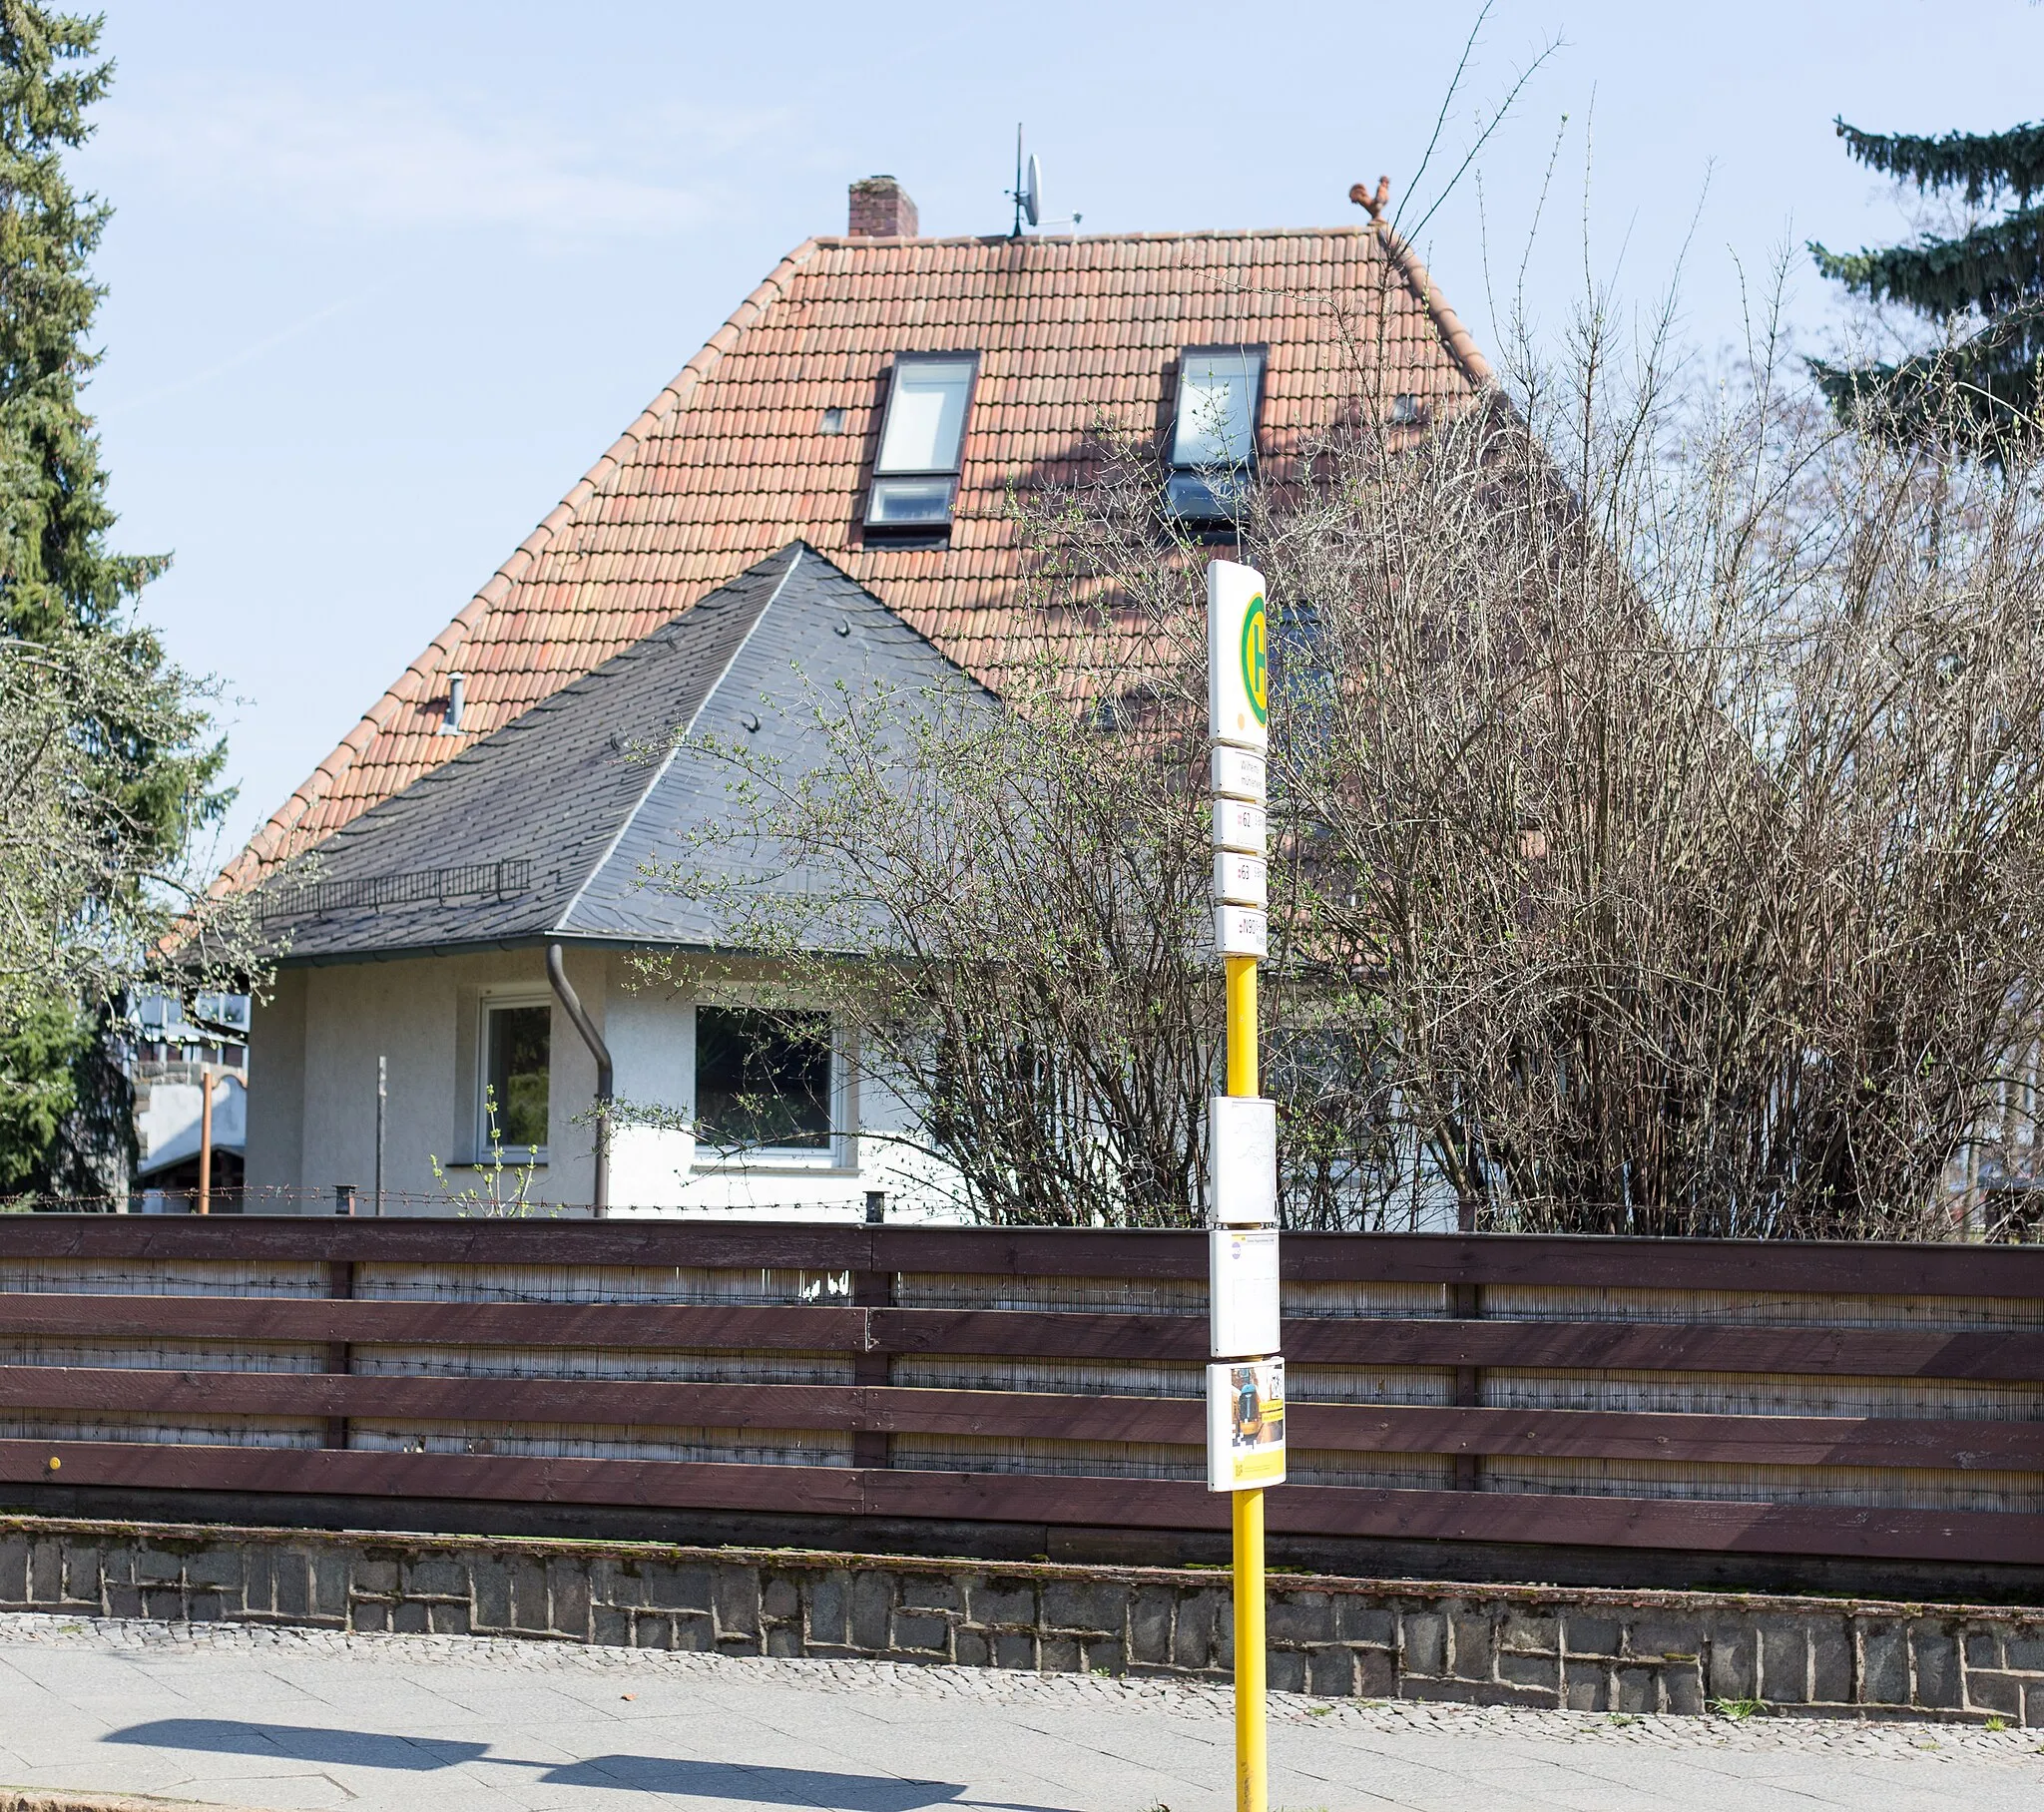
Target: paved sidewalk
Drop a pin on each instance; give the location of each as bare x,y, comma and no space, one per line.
289,1719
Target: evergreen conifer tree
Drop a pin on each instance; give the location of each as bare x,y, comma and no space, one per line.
137,779
1987,281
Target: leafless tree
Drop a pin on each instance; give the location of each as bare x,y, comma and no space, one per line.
1671,806
1658,823
999,903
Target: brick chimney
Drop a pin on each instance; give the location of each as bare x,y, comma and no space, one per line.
881,210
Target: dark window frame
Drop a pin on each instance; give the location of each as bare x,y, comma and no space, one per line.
1186,485
486,1084
805,1144
930,524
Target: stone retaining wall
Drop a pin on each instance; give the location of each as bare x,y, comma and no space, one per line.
1581,1649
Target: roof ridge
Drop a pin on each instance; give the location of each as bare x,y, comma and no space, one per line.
1460,343
837,241
264,847
674,746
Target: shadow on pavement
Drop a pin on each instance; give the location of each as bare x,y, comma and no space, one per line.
300,1744
765,1786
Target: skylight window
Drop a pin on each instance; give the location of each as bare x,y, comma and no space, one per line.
1214,435
915,475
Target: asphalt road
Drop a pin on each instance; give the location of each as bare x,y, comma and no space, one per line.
310,1719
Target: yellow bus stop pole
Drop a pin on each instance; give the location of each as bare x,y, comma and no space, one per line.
1251,1738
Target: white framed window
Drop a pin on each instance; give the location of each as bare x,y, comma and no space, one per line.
514,1077
767,1082
915,470
1214,430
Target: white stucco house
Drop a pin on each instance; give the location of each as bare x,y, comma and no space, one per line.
828,488
476,931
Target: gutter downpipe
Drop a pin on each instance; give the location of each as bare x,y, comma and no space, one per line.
599,1195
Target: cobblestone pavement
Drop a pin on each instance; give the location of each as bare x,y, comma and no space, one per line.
296,1719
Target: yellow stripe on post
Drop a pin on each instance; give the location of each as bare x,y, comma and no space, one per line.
1251,1737
1251,1734
1242,1025
1239,711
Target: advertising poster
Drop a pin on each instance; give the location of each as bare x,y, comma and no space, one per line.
1245,1424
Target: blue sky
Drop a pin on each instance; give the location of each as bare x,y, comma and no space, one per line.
386,278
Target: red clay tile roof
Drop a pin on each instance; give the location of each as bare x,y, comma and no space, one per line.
728,462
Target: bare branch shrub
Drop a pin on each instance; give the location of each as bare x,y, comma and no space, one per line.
1658,823
998,903
1666,799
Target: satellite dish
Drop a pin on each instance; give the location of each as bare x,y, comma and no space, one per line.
1031,196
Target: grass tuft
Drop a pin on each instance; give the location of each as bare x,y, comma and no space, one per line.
1737,1710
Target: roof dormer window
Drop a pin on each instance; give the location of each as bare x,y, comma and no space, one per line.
1213,433
915,474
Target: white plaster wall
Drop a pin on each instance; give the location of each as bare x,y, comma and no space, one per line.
652,1036
407,1013
314,1082
423,1015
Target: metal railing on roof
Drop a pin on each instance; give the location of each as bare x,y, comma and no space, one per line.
426,886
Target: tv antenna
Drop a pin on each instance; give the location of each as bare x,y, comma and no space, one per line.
1027,195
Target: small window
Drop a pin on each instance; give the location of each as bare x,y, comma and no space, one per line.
515,1054
915,475
834,421
229,1010
1213,432
763,1079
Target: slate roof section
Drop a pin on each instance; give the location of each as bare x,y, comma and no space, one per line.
572,798
730,462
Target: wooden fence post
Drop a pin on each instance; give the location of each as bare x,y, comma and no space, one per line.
872,1290
1466,1304
340,1286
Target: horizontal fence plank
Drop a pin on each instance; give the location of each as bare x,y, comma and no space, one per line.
1523,1345
654,1483
1766,1266
1041,1334
1667,1347
857,1407
741,1245
1936,1442
1681,1525
367,1322
1641,1523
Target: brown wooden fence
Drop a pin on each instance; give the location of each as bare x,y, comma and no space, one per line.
1867,1401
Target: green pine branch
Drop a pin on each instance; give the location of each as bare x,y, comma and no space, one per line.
1989,164
108,799
1996,266
1981,391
